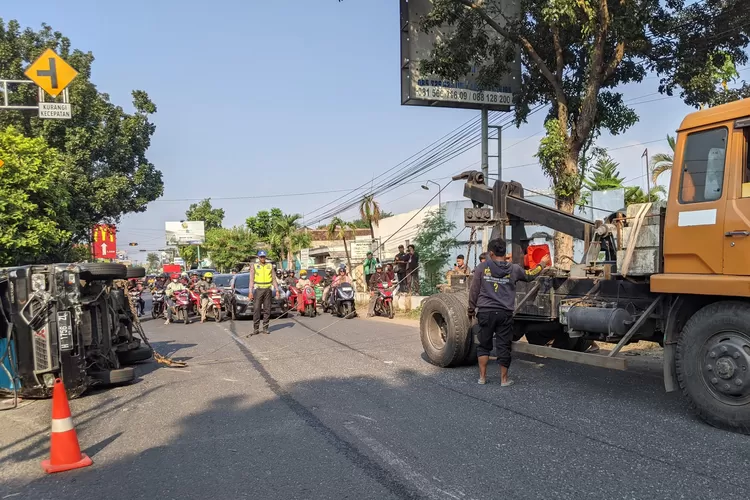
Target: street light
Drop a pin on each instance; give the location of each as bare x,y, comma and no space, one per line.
427,188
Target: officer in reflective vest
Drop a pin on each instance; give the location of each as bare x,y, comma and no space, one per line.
262,283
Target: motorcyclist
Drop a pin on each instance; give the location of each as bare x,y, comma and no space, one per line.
174,286
194,279
290,280
202,286
380,278
134,285
341,277
303,281
185,280
160,284
316,278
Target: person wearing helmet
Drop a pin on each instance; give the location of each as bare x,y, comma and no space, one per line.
134,285
341,277
262,282
303,281
378,280
202,286
174,286
289,279
316,278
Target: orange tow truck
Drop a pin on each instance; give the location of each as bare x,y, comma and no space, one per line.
676,273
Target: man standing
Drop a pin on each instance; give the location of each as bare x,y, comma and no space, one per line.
262,282
201,287
400,261
460,268
412,271
493,292
369,267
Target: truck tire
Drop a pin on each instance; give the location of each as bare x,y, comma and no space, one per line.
103,271
114,377
133,356
712,363
445,330
136,272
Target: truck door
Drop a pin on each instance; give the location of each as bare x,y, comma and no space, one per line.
737,217
694,233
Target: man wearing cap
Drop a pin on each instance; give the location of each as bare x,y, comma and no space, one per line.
262,283
369,267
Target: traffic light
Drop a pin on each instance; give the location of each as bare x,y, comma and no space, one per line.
477,216
133,244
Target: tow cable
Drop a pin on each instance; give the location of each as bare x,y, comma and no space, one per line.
162,360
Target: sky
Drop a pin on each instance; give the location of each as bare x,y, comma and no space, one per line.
280,97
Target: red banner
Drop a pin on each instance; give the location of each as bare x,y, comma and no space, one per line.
105,241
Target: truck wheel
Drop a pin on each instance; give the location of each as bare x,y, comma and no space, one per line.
444,330
135,355
103,271
713,364
114,377
136,272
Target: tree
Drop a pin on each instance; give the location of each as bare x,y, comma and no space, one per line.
434,244
635,194
604,176
369,211
104,147
363,223
283,235
153,260
229,247
211,217
34,203
263,223
574,53
337,229
662,162
189,254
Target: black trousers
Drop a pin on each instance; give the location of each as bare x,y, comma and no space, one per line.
261,298
497,325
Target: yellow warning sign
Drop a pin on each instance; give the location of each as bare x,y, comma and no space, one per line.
51,73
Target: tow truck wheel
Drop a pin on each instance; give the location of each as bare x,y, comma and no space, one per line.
712,363
444,330
103,271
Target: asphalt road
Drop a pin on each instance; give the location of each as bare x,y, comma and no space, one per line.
326,408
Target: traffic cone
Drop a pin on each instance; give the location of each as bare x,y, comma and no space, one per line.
65,453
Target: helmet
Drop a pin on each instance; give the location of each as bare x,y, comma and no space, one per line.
174,276
184,275
342,270
314,271
303,273
378,266
209,275
262,253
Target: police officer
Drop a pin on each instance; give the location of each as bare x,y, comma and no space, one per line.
493,292
262,282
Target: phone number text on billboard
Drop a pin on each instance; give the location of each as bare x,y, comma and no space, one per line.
468,96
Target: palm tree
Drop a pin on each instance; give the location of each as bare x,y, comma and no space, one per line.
662,162
283,234
369,211
337,229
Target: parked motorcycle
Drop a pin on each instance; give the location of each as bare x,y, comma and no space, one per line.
182,305
157,303
384,302
342,301
307,303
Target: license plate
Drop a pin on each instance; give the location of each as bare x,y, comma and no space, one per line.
64,331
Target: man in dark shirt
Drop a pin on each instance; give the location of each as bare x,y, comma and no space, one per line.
400,261
412,271
493,293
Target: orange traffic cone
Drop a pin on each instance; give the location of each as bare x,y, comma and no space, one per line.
65,453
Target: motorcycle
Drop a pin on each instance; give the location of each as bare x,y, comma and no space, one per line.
294,296
384,302
342,301
157,303
135,297
307,303
182,305
195,302
216,303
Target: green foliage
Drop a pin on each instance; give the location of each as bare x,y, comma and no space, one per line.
283,236
189,254
229,247
369,211
662,162
103,147
604,176
337,229
434,244
153,260
34,203
634,194
264,222
211,217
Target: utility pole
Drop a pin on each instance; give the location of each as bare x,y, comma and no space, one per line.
648,176
485,167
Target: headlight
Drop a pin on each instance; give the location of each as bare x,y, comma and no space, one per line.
243,298
38,283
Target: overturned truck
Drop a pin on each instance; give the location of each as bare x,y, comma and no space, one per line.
676,273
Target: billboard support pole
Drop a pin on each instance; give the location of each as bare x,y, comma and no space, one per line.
499,129
485,167
199,256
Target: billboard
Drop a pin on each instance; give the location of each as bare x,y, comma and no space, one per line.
419,89
185,232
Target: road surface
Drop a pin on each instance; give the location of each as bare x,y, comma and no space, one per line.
327,408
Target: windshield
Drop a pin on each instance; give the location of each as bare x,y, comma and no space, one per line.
222,279
242,281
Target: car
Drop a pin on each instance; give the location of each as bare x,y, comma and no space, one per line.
201,272
241,304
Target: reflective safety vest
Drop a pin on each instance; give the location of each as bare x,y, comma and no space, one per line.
263,276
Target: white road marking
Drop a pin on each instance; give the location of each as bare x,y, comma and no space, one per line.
421,482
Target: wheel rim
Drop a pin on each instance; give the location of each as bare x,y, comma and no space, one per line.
726,367
437,330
